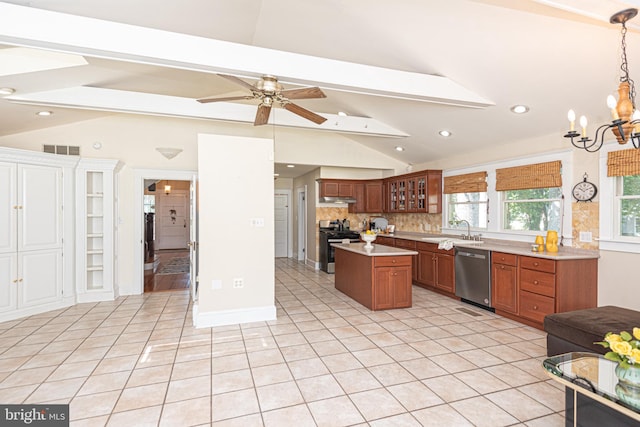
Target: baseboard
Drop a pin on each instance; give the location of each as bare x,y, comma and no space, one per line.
232,317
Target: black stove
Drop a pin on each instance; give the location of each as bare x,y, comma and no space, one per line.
329,235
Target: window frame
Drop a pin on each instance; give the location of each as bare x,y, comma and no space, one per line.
479,203
494,229
504,201
610,237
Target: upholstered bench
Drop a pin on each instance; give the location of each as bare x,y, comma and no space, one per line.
578,330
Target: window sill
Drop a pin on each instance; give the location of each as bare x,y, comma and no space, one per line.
618,246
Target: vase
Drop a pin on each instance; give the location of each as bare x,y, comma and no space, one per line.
628,387
552,241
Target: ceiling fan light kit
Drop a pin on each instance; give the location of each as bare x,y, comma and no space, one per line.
625,123
268,91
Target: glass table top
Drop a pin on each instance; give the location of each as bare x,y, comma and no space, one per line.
590,371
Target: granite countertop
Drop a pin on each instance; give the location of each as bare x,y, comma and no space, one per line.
498,245
376,250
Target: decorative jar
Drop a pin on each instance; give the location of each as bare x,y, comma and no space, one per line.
628,387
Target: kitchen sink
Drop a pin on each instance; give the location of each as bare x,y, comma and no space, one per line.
453,240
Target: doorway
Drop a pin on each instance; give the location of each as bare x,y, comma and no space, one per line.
281,226
167,234
172,261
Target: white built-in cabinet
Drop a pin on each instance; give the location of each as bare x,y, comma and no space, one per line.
96,207
36,232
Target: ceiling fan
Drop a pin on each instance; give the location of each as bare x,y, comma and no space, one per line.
269,91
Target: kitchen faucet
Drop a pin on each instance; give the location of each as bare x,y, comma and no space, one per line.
457,222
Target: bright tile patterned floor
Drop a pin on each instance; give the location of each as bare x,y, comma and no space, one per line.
326,361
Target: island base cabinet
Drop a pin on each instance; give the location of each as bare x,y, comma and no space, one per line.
377,282
392,288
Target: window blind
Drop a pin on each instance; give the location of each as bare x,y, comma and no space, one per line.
538,175
467,183
623,162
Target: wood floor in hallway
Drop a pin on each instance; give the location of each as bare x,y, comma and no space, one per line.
156,280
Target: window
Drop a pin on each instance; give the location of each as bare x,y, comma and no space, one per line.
628,205
149,205
536,209
472,207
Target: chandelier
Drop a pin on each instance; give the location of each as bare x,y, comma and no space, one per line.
626,119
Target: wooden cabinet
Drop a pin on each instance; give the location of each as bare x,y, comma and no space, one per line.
392,282
385,240
410,245
504,282
436,269
377,282
336,188
35,232
528,288
419,192
369,197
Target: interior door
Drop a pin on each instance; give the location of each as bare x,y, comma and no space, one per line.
172,228
281,225
193,238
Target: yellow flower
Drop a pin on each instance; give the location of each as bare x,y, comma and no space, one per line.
636,333
621,347
611,338
635,356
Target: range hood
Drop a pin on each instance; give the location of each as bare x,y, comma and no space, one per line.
327,199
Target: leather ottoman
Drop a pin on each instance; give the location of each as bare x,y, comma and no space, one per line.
578,330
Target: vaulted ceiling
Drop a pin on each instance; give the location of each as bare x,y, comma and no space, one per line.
410,67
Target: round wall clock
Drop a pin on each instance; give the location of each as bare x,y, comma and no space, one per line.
584,191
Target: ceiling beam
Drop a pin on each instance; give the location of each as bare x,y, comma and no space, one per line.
32,27
91,98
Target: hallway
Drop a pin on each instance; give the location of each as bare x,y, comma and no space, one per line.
171,273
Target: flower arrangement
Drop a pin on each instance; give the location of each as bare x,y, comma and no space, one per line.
624,348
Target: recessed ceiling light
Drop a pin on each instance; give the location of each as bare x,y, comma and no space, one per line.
342,113
6,90
398,148
519,109
291,166
44,113
444,133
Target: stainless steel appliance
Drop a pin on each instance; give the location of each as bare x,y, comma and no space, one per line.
473,275
329,235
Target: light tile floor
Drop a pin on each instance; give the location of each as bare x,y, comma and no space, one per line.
326,361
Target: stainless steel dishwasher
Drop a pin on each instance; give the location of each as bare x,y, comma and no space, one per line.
473,275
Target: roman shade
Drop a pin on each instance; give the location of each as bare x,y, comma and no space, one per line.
538,175
623,162
468,183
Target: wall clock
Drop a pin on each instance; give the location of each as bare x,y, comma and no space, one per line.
584,191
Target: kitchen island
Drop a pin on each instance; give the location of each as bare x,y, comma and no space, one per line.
378,278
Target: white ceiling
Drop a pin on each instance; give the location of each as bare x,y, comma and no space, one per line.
549,55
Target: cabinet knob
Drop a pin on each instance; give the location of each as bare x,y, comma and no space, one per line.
502,267
393,261
15,281
535,264
19,280
535,282
535,307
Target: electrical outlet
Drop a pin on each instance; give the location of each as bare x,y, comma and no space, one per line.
238,283
586,237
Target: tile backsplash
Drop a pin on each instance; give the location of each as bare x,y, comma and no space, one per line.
422,223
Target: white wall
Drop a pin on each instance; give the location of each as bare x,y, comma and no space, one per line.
236,187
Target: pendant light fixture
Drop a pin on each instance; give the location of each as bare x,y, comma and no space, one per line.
625,123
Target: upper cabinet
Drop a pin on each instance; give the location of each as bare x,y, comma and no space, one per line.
336,188
369,197
419,192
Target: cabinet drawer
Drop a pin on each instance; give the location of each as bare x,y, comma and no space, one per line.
406,244
540,264
502,258
423,246
535,307
538,282
386,241
391,261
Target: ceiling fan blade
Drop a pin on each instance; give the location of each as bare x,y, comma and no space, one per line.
238,81
303,112
229,98
262,116
303,93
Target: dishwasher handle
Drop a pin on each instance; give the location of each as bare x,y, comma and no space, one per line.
471,255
